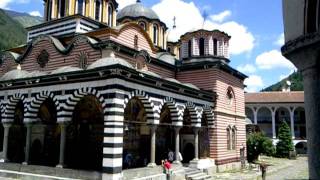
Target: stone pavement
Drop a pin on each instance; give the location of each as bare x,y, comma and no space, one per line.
280,169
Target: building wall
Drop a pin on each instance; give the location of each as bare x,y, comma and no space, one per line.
225,114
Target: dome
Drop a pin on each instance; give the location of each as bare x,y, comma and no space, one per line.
150,73
166,57
14,74
191,86
137,10
65,69
36,74
109,61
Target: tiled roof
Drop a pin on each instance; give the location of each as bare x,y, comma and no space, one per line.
275,97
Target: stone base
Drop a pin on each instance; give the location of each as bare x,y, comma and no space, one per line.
202,163
152,165
235,166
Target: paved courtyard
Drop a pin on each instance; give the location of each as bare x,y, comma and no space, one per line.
280,169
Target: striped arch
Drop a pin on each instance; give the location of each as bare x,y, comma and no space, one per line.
34,106
195,113
174,111
66,110
207,110
8,116
153,115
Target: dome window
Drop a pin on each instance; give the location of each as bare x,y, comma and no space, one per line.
98,10
201,46
110,15
83,60
80,7
136,40
189,48
143,25
155,34
215,47
62,8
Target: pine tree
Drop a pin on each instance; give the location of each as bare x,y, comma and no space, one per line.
285,145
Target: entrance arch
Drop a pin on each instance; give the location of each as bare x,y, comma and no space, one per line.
282,114
17,135
84,147
187,138
45,136
136,140
300,123
165,135
301,148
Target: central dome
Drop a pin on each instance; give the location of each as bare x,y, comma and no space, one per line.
137,10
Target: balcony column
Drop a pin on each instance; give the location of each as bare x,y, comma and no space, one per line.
274,135
63,129
292,123
255,115
196,144
28,143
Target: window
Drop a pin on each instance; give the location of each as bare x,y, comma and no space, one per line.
62,7
83,60
155,34
98,9
80,7
201,46
234,143
143,25
228,139
136,39
43,59
110,15
215,47
189,48
49,10
230,96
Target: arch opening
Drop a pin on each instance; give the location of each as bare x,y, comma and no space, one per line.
300,123
201,46
282,114
264,120
17,135
45,136
187,138
136,140
84,147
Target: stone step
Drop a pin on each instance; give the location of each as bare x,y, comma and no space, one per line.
196,174
203,177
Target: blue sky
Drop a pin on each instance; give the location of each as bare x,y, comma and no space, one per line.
255,26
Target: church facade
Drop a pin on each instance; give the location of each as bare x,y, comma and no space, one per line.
99,90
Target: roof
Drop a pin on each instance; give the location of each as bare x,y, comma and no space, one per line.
275,97
137,10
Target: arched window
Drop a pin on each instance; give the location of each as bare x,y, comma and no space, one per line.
230,96
136,40
234,141
62,8
49,10
201,46
215,47
110,15
189,48
155,34
98,10
228,139
143,25
80,7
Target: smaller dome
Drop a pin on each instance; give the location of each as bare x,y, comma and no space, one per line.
166,57
150,73
109,61
14,74
65,69
137,10
173,80
36,74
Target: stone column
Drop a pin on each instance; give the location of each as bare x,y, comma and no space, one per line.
311,78
255,116
274,135
28,144
292,123
196,144
5,141
63,128
177,144
152,163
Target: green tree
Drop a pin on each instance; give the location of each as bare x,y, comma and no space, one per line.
258,143
285,145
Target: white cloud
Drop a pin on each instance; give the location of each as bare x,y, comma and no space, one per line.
248,68
280,40
189,18
254,83
273,59
283,76
124,3
4,3
221,16
35,13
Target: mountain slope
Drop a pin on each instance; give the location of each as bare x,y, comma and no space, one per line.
12,33
296,80
25,19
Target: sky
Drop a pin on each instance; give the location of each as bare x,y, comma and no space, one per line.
255,26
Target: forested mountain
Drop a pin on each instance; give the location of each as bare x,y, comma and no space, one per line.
296,80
